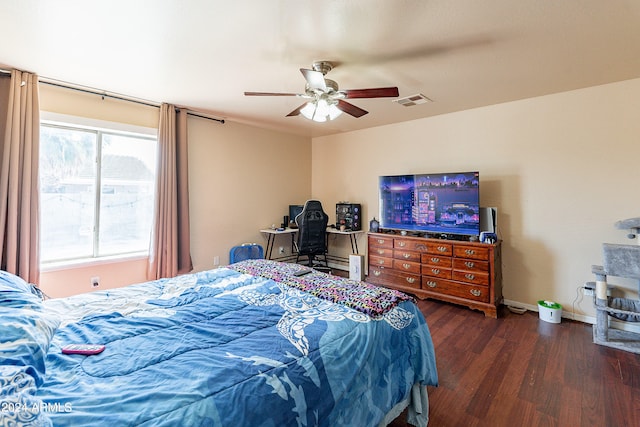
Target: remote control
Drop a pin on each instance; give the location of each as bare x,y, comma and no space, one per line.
301,273
86,349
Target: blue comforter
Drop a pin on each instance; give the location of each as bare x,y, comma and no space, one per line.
216,348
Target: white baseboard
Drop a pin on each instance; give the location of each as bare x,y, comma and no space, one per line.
338,266
615,324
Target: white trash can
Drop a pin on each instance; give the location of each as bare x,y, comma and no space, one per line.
550,311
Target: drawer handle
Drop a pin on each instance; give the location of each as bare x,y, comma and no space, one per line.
431,284
406,266
380,261
402,244
411,280
435,270
380,241
470,252
380,251
435,260
470,276
377,272
442,248
406,255
469,264
475,292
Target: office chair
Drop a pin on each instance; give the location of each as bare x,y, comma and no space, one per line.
245,251
312,233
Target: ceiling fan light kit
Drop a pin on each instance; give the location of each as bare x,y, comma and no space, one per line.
326,101
321,110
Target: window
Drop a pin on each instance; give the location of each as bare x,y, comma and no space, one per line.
96,191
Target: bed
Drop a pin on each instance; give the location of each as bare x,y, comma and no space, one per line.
251,344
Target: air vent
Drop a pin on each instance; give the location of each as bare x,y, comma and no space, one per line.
410,101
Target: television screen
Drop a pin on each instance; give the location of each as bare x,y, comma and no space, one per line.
441,203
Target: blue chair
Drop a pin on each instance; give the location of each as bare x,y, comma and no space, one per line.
245,251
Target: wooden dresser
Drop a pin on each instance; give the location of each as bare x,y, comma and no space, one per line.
466,273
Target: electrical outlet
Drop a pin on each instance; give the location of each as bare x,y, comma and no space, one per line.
95,281
216,261
281,250
587,292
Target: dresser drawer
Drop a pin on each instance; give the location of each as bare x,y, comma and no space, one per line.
377,275
439,248
378,261
471,277
436,260
470,265
407,280
409,244
406,266
406,255
393,278
472,252
381,241
461,290
381,251
436,271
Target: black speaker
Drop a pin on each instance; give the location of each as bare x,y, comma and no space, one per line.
349,215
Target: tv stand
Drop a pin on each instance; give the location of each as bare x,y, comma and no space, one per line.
456,271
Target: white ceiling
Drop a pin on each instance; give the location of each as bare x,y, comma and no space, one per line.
205,53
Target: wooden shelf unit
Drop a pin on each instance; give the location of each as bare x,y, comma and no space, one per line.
465,273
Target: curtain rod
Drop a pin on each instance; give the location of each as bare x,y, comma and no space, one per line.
103,94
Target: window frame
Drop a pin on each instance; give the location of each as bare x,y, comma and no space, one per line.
100,127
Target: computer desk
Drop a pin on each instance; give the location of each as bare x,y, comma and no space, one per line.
353,237
272,233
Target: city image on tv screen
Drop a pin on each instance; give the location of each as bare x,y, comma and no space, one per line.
440,203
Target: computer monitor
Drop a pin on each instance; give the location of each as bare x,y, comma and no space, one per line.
294,211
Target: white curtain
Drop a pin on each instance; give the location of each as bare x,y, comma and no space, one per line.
19,187
169,253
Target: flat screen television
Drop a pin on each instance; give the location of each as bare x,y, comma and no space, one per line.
431,204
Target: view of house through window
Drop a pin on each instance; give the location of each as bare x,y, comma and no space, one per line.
96,192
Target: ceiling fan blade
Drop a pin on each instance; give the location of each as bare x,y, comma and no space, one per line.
269,94
351,109
315,79
296,111
380,92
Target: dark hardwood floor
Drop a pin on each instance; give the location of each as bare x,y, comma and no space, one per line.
520,371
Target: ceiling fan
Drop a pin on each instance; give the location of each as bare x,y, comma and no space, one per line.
325,100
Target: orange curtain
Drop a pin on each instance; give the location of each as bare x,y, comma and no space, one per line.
169,253
19,187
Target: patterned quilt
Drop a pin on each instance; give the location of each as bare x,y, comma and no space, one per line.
215,348
372,300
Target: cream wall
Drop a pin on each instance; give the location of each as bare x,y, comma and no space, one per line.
561,169
241,179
